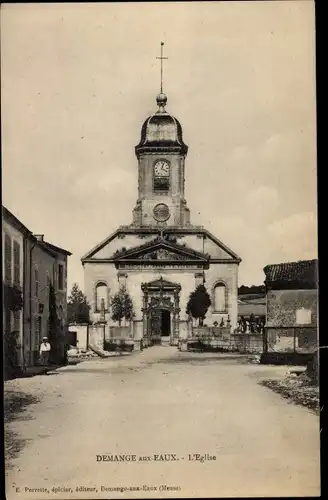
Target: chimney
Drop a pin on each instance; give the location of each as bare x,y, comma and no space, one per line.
39,237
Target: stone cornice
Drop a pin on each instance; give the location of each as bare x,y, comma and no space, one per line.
225,261
159,262
146,149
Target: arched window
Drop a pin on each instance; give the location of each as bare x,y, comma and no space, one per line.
101,295
220,297
8,259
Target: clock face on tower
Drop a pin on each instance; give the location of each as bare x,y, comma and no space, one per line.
161,168
161,176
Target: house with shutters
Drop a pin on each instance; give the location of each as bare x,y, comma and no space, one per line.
30,265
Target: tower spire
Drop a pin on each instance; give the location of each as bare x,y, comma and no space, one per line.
162,59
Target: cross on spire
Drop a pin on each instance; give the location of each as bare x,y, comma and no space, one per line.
162,59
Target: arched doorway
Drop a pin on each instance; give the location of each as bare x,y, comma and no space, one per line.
160,312
159,327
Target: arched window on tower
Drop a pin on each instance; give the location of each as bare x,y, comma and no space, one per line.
101,296
220,297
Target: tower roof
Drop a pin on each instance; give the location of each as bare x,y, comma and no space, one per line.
161,131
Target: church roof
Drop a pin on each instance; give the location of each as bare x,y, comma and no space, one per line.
161,130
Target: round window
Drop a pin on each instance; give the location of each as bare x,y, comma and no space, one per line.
161,212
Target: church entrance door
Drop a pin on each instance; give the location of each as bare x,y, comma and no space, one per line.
160,312
160,325
165,323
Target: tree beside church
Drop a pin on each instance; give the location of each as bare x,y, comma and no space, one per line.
198,304
78,309
122,306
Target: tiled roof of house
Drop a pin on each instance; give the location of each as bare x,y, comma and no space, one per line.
54,248
302,272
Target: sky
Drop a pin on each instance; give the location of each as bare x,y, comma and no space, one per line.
78,81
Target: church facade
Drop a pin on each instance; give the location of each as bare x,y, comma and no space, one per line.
161,256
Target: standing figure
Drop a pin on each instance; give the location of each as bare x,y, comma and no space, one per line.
45,349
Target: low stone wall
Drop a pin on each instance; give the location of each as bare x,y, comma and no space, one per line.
120,332
210,332
97,336
113,345
119,338
220,339
81,331
248,342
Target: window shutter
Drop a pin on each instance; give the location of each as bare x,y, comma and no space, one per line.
16,263
8,257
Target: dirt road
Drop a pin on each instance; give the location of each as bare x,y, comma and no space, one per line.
170,409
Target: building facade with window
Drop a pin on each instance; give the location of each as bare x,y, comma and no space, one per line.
48,268
15,238
33,267
161,256
292,304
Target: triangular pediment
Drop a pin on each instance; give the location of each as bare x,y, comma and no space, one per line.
186,244
160,250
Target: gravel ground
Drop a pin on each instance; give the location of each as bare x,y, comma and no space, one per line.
161,401
15,403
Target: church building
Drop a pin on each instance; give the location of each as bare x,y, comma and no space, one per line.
160,257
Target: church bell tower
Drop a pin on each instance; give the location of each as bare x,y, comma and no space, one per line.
161,155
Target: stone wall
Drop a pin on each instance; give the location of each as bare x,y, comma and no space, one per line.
222,339
247,343
290,339
282,307
97,335
120,332
81,335
291,323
